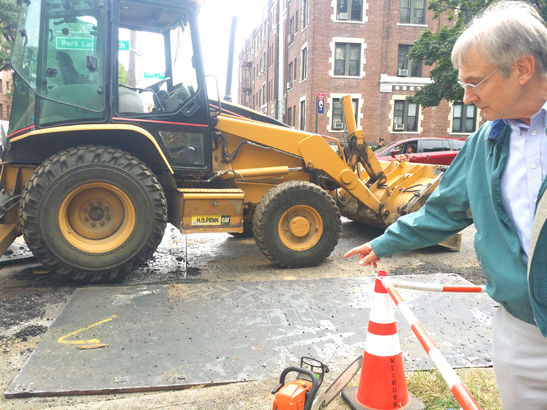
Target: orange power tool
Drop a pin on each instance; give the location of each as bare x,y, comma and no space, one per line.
299,393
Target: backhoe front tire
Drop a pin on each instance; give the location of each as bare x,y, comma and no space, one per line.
296,224
93,213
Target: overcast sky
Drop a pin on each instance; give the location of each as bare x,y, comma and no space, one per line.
215,19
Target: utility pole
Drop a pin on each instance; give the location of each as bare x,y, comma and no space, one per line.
132,58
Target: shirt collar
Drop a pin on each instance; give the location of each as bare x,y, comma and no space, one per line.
499,125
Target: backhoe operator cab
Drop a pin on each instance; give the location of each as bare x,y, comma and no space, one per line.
112,135
76,67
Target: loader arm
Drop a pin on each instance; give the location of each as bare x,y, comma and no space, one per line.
358,150
313,149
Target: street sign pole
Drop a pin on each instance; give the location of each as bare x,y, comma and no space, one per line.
316,115
320,108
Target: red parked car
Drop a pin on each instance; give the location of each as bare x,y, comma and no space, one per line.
440,151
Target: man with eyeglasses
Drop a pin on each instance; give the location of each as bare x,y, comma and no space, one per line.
498,182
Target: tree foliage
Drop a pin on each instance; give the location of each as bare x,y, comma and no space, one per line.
8,22
123,74
434,49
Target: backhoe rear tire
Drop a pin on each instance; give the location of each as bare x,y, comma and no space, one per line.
296,224
93,213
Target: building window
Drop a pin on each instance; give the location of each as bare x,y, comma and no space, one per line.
289,116
338,120
304,14
405,66
289,85
405,116
303,114
263,94
291,30
349,10
304,69
347,59
464,117
413,11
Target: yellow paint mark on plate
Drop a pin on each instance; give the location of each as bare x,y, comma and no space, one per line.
63,339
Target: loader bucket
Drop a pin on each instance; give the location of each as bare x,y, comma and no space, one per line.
8,230
8,233
12,180
398,186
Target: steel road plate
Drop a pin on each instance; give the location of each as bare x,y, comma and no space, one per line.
120,339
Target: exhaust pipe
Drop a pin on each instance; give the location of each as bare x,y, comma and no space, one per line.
227,96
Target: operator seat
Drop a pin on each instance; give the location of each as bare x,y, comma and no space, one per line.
160,100
177,97
129,101
68,72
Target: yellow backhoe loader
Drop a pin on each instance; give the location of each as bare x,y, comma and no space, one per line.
112,135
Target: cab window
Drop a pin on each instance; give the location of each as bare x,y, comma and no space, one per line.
74,66
59,65
155,70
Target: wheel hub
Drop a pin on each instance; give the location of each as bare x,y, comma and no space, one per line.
299,226
96,213
97,217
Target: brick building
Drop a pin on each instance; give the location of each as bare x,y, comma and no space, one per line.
5,98
304,48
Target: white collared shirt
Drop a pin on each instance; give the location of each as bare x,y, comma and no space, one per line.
525,170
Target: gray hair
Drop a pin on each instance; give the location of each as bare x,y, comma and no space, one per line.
505,31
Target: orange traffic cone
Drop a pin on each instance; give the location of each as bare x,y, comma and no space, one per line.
382,384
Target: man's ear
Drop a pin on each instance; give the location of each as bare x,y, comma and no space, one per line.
526,66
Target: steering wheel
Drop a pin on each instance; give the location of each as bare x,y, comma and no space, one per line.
152,87
156,86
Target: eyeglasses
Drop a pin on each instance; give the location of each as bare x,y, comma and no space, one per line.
475,87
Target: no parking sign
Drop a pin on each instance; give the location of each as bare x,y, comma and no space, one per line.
320,103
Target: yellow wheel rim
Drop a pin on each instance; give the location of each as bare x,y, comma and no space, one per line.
97,217
300,227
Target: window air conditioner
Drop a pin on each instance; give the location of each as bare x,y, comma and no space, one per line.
338,125
289,85
342,16
403,72
399,127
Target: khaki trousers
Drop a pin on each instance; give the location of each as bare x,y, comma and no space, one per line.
519,355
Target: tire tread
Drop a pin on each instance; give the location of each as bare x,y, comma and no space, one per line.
73,157
264,208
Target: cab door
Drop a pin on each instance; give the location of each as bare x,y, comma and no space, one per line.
160,82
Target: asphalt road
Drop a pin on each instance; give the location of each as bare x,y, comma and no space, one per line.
31,299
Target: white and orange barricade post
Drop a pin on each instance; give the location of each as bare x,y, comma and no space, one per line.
436,287
382,383
458,389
